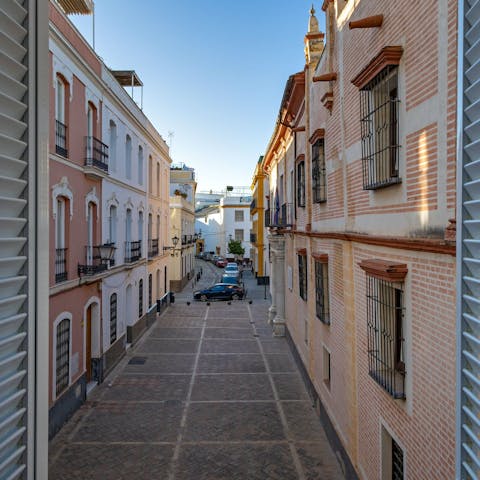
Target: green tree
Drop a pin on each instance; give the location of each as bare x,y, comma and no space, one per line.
235,247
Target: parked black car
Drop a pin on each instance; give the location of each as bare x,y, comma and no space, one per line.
220,291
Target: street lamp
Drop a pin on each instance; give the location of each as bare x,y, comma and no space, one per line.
107,251
174,250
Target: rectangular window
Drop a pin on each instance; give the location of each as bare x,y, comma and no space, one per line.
62,356
321,292
302,276
319,181
301,184
326,368
239,216
379,130
239,235
113,318
385,313
397,461
140,298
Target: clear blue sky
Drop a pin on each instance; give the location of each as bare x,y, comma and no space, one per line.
213,72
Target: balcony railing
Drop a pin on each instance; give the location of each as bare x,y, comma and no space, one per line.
96,153
60,264
61,139
133,251
187,239
153,247
282,217
93,262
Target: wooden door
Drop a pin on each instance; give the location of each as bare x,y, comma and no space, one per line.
88,345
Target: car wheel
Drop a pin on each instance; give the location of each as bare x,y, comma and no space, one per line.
203,298
235,296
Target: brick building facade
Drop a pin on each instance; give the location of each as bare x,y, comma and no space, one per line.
361,168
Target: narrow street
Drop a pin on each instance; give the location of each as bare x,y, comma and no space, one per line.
206,394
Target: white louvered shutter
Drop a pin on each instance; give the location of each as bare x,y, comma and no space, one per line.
14,77
468,246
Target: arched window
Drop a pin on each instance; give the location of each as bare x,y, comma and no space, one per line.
91,215
158,227
112,224
140,228
60,117
113,318
150,290
128,157
150,175
158,180
61,239
62,356
112,148
91,124
140,298
140,165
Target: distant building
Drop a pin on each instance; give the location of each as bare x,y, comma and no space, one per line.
222,217
182,218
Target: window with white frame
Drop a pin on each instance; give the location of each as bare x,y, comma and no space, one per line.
239,216
301,183
140,165
322,308
319,177
239,235
302,275
128,157
112,148
60,240
90,231
385,324
380,130
112,224
62,356
140,298
60,118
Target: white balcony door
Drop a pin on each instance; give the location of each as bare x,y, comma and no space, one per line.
90,220
90,132
60,101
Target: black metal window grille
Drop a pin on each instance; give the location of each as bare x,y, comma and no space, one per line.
60,264
301,184
150,290
113,318
96,153
62,370
133,251
321,292
397,461
302,276
379,130
385,313
140,298
267,217
61,139
319,178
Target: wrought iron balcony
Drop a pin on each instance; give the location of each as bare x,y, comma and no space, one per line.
152,247
61,139
96,154
94,262
133,251
282,217
61,273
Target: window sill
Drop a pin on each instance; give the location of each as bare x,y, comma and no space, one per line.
384,184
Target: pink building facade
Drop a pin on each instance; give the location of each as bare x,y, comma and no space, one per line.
101,205
362,212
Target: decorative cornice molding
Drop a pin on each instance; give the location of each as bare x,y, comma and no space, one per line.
385,270
325,77
387,56
367,22
327,101
302,251
320,257
300,158
413,244
316,135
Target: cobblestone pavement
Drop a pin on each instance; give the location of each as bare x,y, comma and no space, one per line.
206,394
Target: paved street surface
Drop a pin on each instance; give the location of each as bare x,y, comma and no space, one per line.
207,394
